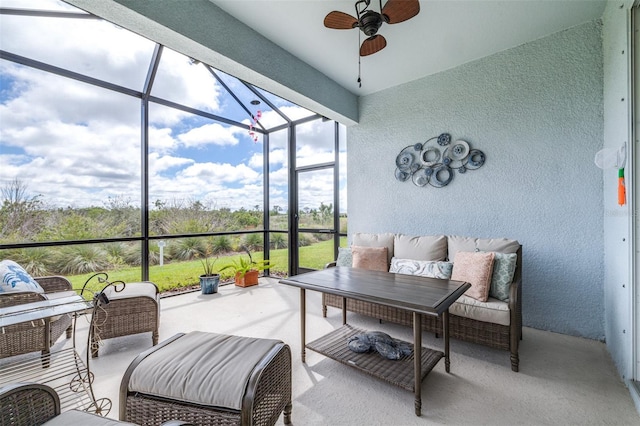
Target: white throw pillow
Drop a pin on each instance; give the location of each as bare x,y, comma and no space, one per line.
15,279
424,268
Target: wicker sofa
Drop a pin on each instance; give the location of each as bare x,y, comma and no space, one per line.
495,323
38,336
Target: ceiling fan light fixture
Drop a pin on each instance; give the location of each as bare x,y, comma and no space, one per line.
370,22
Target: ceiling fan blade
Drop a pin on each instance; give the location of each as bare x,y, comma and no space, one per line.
340,21
372,45
395,11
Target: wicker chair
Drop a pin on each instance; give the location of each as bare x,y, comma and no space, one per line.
130,310
37,336
32,404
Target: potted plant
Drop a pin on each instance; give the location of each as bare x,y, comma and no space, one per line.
246,271
209,280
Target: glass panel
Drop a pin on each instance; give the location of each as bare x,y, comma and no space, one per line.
292,111
92,47
315,143
279,254
49,5
342,185
278,180
177,263
269,118
121,261
203,176
187,82
315,250
315,199
72,160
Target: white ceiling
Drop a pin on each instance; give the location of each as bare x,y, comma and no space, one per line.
445,34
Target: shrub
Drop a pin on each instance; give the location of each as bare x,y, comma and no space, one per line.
278,241
187,248
75,260
221,244
253,242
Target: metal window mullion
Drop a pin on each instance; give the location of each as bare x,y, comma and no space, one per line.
336,190
200,113
293,203
233,95
144,152
67,73
265,100
266,222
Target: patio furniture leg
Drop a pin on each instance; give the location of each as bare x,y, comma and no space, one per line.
303,313
417,361
445,331
287,414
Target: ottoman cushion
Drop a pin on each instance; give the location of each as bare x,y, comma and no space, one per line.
202,368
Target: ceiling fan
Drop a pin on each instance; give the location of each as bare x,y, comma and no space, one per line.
369,21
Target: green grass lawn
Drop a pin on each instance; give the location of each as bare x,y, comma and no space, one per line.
177,275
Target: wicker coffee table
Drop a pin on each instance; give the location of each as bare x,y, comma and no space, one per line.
420,295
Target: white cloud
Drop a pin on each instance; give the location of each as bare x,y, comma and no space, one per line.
78,144
209,134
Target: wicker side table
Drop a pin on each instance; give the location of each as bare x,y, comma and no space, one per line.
209,379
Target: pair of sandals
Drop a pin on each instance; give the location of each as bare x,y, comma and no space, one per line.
380,342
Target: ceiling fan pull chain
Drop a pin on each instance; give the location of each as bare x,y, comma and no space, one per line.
359,67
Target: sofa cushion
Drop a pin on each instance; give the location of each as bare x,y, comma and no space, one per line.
14,279
345,258
469,244
504,267
420,248
424,268
372,258
493,310
375,240
475,268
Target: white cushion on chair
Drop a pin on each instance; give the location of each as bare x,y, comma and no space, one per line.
141,289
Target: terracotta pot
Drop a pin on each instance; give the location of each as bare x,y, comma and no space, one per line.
250,278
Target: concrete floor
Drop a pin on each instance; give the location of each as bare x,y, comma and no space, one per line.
563,380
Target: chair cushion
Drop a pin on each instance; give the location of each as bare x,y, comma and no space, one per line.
141,289
76,417
476,269
372,258
375,240
423,268
493,310
14,279
420,248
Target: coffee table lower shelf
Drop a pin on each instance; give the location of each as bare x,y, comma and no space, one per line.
397,372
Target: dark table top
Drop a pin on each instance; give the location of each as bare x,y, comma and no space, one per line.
429,296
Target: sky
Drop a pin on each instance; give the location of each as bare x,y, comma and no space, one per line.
79,145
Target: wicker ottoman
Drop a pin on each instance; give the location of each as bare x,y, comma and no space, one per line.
209,379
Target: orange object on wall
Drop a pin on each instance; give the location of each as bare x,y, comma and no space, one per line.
622,195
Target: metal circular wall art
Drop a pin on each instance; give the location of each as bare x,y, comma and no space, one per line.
436,161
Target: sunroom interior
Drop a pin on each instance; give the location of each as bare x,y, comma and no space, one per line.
222,138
